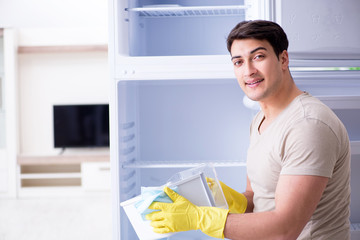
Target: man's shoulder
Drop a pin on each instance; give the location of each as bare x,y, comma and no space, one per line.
313,115
310,107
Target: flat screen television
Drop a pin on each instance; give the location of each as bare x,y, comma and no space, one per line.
85,125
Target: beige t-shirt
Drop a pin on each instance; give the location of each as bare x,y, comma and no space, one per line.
307,138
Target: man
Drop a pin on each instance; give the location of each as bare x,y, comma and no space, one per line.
298,164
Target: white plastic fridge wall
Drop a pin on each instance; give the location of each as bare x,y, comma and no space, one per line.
186,121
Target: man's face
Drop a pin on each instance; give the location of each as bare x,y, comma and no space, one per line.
258,70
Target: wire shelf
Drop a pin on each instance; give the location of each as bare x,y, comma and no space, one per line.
181,164
193,11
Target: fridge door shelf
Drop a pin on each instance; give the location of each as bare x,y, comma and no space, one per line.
355,147
316,64
189,11
327,72
338,83
341,102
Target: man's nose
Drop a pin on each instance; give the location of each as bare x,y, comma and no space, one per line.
249,69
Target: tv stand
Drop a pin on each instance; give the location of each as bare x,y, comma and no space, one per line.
62,151
72,174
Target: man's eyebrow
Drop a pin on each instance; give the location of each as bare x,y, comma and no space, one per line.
251,52
259,48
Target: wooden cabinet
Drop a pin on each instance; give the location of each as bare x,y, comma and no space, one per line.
63,174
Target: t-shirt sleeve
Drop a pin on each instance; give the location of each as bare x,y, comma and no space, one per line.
309,148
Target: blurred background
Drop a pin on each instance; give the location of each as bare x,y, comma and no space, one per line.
51,53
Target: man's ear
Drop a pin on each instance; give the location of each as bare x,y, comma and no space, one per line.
284,59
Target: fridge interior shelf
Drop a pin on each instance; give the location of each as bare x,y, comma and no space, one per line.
182,164
193,11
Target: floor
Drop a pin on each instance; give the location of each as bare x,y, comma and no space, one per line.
70,218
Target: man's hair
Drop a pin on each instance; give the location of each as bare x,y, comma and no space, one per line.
260,30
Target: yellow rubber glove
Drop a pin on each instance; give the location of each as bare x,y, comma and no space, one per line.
182,215
236,201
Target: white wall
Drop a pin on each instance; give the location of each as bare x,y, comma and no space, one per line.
3,165
53,13
58,78
1,80
2,116
1,54
63,36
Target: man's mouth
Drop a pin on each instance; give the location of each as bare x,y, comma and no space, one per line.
255,82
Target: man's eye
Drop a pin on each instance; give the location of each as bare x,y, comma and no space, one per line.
259,56
237,63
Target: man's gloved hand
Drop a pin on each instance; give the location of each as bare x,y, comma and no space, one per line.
182,215
237,201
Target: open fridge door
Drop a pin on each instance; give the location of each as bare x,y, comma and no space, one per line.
324,55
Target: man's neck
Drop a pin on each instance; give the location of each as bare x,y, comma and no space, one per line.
274,106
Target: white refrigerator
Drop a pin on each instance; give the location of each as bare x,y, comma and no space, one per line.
175,102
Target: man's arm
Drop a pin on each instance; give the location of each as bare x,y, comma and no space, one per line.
296,199
249,194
